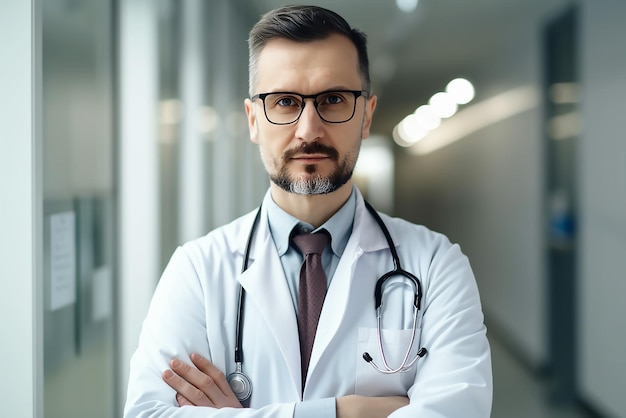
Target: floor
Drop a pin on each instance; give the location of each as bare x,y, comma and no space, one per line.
520,394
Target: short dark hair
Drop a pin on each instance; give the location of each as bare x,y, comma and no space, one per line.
303,24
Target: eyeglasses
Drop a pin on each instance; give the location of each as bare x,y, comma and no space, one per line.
284,108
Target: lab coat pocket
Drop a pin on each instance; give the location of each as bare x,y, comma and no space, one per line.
371,382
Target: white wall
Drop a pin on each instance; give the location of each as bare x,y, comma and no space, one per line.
602,156
138,249
20,212
484,192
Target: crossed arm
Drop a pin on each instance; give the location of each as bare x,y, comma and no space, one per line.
206,385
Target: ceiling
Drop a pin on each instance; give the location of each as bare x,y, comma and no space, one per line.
414,55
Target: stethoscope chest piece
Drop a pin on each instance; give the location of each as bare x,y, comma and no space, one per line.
240,385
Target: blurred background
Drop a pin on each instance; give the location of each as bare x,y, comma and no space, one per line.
500,123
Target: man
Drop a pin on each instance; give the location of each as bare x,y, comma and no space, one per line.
310,107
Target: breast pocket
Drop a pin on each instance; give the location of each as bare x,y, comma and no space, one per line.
369,381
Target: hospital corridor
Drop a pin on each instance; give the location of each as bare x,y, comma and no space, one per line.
124,135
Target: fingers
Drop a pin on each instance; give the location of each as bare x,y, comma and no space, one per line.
210,370
199,387
202,385
225,396
191,393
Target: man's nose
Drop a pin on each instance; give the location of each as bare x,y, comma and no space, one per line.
310,124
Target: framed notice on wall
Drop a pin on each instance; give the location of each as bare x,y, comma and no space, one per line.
62,259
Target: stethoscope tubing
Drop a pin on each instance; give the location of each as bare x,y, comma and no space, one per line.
397,270
242,294
239,382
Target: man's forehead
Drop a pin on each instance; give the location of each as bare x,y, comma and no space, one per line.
331,60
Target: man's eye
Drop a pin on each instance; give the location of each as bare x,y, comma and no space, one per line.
286,102
333,99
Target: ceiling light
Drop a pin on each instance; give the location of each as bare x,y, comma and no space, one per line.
407,6
443,105
461,90
411,130
400,138
426,118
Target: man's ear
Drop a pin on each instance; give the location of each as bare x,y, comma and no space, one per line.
370,105
251,116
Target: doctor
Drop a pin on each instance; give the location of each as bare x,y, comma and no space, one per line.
310,107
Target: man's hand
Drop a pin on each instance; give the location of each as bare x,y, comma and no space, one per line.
369,407
202,385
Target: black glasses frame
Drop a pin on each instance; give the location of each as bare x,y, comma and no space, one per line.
356,93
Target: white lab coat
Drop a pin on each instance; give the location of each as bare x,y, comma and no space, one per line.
195,305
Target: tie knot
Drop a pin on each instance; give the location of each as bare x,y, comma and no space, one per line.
311,243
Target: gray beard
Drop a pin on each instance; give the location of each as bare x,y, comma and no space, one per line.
313,185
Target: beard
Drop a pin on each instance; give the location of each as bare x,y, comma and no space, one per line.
313,183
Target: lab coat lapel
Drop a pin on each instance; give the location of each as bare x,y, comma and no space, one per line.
266,287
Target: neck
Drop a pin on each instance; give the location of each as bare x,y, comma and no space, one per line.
313,209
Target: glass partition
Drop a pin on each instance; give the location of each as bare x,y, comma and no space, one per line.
78,166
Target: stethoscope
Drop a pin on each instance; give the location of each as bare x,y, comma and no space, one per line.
240,383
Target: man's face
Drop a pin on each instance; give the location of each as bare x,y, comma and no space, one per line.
309,156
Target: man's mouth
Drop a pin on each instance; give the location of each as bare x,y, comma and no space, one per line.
311,152
310,158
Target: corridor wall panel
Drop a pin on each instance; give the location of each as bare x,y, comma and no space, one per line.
602,192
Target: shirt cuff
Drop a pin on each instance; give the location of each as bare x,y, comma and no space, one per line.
317,408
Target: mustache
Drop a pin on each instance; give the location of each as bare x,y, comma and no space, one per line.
311,148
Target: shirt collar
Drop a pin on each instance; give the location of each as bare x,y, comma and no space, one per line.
339,226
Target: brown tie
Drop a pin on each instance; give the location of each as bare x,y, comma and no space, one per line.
311,293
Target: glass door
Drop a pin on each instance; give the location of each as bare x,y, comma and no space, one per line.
78,208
